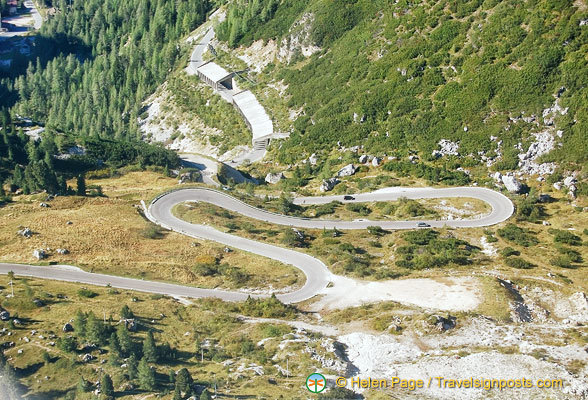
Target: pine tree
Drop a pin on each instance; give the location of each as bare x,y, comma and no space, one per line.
79,324
81,184
124,340
95,329
184,381
177,393
132,367
146,375
149,348
126,313
106,386
83,385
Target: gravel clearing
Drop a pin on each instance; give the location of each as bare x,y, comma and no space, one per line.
454,294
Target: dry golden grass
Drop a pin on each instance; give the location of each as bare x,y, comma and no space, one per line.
109,235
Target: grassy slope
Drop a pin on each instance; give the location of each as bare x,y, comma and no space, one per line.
108,235
421,71
375,257
181,326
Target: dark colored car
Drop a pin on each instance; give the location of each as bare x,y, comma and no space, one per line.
347,197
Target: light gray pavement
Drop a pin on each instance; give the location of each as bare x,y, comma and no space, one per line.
502,207
196,59
22,21
72,274
317,274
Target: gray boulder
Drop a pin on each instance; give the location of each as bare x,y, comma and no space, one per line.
62,251
272,179
363,159
44,205
25,232
191,176
569,181
376,161
67,327
312,159
328,184
512,184
444,324
347,170
4,315
40,254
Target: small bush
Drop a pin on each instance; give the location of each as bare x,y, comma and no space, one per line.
560,236
83,292
518,263
361,209
517,235
561,261
509,251
376,230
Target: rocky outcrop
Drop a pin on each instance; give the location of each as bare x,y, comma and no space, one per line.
298,40
347,170
272,179
40,254
512,184
446,148
443,324
328,184
25,232
189,177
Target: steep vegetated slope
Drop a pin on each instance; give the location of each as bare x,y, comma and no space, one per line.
403,75
97,61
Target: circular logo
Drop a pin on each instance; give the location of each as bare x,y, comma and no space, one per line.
316,383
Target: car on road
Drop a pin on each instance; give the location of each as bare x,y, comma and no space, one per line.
423,225
347,197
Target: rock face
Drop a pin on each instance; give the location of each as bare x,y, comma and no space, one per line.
39,254
512,184
25,232
328,184
4,315
447,148
347,170
130,324
272,179
444,324
191,176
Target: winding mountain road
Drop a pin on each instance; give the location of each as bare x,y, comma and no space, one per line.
317,273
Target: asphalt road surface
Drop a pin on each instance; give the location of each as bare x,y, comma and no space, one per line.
317,274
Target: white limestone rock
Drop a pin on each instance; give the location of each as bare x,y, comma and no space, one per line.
347,170
328,184
272,179
512,184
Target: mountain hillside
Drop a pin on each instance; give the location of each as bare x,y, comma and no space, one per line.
399,76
